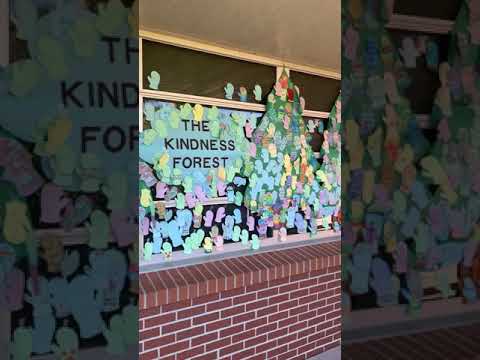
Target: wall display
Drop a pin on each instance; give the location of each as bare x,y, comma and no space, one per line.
404,168
62,175
211,176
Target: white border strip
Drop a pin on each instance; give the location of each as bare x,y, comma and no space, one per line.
223,103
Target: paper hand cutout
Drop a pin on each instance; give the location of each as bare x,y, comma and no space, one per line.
228,227
208,218
432,55
236,233
53,202
198,113
153,80
243,94
411,222
229,89
258,93
43,320
66,343
16,225
381,283
99,230
220,214
433,170
251,223
409,53
361,262
237,216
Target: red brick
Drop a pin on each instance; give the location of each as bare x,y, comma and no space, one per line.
191,312
298,277
205,339
314,353
191,353
244,317
257,287
288,305
334,284
158,342
280,350
288,322
317,336
325,325
298,310
218,344
257,305
256,341
231,293
326,278
140,325
199,330
176,306
316,289
267,311
325,340
320,272
307,315
297,344
151,355
266,329
297,327
219,305
232,330
278,282
325,310
278,316
287,356
206,299
337,336
289,287
210,356
243,354
243,336
148,334
255,323
231,349
287,339
305,333
266,346
298,293
176,347
278,299
245,298
159,320
317,320
317,304
307,299
233,311
218,324
333,330
308,283
177,326
258,357
144,313
267,293
334,314
278,333
206,318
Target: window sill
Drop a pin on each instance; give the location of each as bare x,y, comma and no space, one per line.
181,283
233,250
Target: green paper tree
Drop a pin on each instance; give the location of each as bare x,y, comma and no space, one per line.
280,163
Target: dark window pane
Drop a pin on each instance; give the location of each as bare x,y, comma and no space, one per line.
424,82
441,9
197,73
320,93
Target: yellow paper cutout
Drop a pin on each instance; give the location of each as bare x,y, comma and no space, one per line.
16,226
198,113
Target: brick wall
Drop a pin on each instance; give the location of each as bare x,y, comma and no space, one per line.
277,305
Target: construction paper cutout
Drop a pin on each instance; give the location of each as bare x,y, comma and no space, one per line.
156,245
411,222
153,80
43,319
409,53
208,245
229,89
243,94
114,337
220,214
255,242
67,343
351,42
98,230
228,227
251,223
21,346
208,218
16,226
361,263
257,91
432,55
198,113
167,250
237,216
236,233
381,282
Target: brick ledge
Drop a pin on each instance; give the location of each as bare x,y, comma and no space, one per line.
185,283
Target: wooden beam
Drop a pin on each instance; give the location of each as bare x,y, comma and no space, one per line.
420,24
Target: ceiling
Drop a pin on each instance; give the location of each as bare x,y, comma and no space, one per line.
304,32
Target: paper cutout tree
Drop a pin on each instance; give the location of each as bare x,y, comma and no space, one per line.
455,164
380,155
280,164
331,166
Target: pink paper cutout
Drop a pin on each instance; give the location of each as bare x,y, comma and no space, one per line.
53,202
